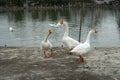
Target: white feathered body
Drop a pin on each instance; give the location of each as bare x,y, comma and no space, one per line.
69,42
81,49
46,45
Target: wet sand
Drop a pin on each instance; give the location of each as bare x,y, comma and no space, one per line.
23,63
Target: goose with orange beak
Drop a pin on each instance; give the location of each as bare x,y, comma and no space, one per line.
69,42
46,45
83,47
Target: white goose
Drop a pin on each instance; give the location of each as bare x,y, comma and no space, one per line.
69,42
11,29
83,47
46,45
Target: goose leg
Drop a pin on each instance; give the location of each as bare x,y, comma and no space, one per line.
45,56
81,59
69,52
52,54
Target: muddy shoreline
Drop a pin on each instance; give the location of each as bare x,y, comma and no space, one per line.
27,63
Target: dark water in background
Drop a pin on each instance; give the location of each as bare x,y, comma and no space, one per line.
30,27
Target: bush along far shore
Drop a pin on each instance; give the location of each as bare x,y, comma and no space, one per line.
46,6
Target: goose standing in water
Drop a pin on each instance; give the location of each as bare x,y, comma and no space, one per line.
46,45
83,47
11,29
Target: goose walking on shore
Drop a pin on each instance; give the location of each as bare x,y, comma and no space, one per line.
69,42
83,48
46,45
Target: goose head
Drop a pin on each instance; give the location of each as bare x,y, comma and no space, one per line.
49,31
62,22
56,25
94,30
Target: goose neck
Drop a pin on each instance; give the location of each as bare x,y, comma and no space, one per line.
47,38
66,29
88,37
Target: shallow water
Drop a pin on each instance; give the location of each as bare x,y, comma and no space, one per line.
30,27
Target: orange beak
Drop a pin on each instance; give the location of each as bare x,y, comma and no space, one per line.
62,21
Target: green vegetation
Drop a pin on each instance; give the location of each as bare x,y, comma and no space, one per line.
12,2
38,2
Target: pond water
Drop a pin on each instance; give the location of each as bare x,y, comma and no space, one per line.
31,26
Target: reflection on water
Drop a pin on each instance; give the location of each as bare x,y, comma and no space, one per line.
30,27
